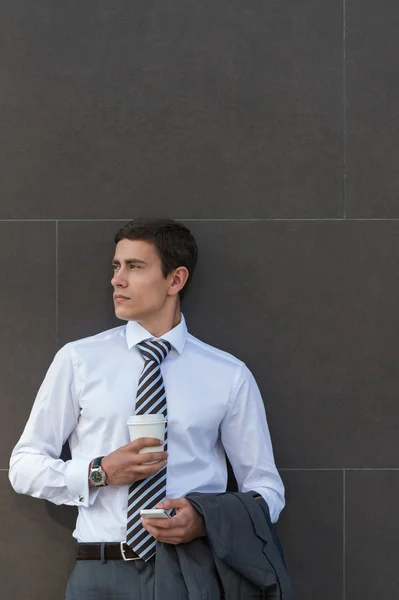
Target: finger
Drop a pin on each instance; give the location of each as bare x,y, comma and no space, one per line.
141,472
178,520
158,523
144,442
145,524
166,537
147,457
153,530
150,469
173,503
173,541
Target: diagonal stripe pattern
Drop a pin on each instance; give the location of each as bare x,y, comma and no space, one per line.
146,493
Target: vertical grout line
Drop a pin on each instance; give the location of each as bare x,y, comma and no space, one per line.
344,537
345,106
56,285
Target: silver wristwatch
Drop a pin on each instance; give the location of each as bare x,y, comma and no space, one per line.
96,475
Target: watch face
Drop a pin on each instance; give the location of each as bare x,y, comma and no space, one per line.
97,477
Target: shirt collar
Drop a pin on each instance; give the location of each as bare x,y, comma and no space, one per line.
136,333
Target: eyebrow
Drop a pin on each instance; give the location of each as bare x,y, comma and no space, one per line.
129,261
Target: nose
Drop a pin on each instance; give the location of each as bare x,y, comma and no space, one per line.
118,280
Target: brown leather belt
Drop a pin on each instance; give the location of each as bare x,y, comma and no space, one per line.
105,551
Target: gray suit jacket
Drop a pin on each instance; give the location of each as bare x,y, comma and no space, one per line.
241,558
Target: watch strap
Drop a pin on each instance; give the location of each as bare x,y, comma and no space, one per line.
97,462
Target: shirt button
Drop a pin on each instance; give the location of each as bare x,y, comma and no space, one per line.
81,499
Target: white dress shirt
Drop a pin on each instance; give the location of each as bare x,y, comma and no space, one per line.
89,391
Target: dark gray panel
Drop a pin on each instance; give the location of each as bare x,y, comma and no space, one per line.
372,532
311,308
210,108
28,322
372,114
85,254
311,532
36,547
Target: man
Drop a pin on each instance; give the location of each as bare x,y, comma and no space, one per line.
211,400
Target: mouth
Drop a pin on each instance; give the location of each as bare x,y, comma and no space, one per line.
120,298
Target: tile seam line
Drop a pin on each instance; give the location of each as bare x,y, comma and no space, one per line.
226,220
344,84
344,535
339,469
379,469
56,287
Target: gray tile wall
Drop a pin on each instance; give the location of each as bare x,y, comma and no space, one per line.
270,129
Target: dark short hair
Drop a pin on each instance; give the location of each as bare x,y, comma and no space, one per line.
173,241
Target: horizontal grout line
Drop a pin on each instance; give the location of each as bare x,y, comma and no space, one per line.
249,220
59,220
327,469
372,469
321,469
290,219
309,469
341,469
293,219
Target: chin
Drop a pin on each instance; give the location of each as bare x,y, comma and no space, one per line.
121,314
121,317
125,315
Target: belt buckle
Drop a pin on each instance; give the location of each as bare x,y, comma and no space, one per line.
124,555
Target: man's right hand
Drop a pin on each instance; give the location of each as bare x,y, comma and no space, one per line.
125,465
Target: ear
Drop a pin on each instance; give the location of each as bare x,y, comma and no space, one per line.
178,280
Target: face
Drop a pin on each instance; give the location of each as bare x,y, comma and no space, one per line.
140,289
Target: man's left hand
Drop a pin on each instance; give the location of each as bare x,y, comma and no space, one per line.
185,526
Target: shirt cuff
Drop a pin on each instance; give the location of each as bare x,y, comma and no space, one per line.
77,481
273,500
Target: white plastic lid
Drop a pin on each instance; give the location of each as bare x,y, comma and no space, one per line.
146,419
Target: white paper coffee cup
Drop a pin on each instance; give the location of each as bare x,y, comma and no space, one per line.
147,426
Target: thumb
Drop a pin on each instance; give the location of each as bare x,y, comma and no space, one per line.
172,503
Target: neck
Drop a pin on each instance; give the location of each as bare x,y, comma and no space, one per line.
161,323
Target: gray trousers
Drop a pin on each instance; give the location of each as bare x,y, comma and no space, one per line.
112,580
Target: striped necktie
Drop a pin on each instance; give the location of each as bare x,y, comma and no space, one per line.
146,493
